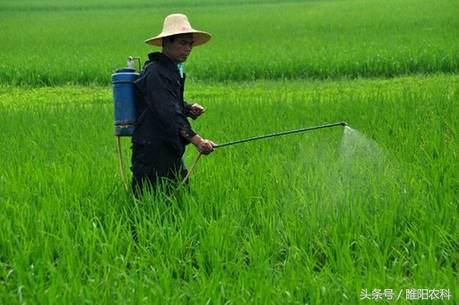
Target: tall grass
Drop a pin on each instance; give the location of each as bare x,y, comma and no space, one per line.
283,221
84,43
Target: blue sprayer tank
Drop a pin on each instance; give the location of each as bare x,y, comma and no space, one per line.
124,99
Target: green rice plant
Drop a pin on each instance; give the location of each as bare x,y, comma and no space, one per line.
293,220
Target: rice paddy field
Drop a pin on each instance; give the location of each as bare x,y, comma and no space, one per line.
365,214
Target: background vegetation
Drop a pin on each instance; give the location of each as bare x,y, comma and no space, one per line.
306,219
48,43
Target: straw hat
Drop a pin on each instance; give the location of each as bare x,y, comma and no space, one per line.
178,24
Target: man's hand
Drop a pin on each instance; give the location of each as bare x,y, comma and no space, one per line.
196,110
204,146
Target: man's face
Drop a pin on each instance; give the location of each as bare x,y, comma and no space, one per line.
180,48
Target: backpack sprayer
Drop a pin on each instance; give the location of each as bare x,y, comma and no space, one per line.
124,106
125,116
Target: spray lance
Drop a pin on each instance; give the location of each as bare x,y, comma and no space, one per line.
271,135
282,133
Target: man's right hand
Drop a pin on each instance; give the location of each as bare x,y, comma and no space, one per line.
204,146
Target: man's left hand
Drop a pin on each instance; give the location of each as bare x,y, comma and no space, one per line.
196,110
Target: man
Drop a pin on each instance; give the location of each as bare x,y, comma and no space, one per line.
162,129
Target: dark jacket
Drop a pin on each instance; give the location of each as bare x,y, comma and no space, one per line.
160,106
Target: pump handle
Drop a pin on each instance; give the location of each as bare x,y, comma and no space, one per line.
131,58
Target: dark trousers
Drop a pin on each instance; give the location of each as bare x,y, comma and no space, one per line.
156,164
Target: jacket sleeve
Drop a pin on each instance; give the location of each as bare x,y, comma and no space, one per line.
164,102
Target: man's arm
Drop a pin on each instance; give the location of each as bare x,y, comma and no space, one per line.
160,97
162,100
